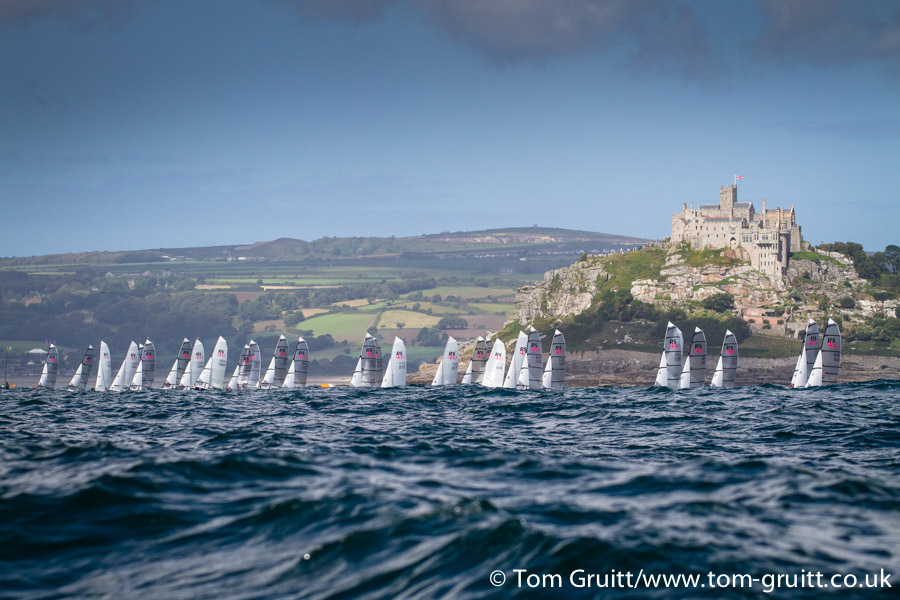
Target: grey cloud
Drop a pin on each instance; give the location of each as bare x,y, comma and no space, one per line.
82,13
652,34
831,33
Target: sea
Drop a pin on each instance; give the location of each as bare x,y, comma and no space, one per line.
457,492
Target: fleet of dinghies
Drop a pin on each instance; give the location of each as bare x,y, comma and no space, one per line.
680,366
525,371
816,365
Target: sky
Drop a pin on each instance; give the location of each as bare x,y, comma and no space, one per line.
129,124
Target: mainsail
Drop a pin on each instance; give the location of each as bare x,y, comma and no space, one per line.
104,369
694,373
669,373
194,367
181,362
395,373
80,379
277,370
827,368
50,370
496,366
555,371
448,368
127,370
255,358
515,364
479,359
213,374
530,374
246,365
809,354
371,367
726,368
146,373
299,369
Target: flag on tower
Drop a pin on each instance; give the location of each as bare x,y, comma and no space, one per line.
736,177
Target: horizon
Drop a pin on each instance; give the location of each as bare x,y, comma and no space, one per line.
146,125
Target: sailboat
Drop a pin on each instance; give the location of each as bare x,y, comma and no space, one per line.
555,371
669,372
234,383
50,370
146,371
530,372
475,370
104,369
194,367
255,359
80,378
726,368
299,369
808,355
395,372
181,362
368,371
127,369
694,373
213,375
827,368
242,370
495,367
448,369
275,373
515,364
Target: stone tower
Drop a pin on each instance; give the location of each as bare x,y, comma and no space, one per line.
727,198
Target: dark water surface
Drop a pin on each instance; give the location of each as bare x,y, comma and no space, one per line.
423,493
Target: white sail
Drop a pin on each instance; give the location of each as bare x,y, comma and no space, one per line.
522,379
299,369
495,368
467,376
395,373
356,379
662,373
532,363
726,368
693,375
809,354
50,370
178,367
219,358
277,369
515,364
104,369
83,373
255,358
194,367
234,384
827,368
126,372
448,368
479,359
555,371
146,372
801,375
371,365
246,366
669,373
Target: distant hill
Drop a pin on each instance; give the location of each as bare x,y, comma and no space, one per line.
526,241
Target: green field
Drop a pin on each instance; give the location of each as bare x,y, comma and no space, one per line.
349,326
410,319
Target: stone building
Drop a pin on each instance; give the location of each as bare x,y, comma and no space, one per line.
766,239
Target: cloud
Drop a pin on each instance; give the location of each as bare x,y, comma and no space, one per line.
831,33
652,34
84,14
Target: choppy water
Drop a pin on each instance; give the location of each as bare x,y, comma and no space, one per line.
423,493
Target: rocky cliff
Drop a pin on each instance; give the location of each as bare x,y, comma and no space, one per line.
815,283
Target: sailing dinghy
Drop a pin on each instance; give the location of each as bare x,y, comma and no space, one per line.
808,355
448,368
669,372
555,371
827,368
277,370
395,372
178,367
693,375
530,374
50,370
80,378
127,369
495,368
104,369
299,369
726,368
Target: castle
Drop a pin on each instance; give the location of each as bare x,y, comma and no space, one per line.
766,239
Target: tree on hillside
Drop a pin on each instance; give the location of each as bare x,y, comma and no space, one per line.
453,323
719,303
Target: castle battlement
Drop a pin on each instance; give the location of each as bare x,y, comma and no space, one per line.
766,238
